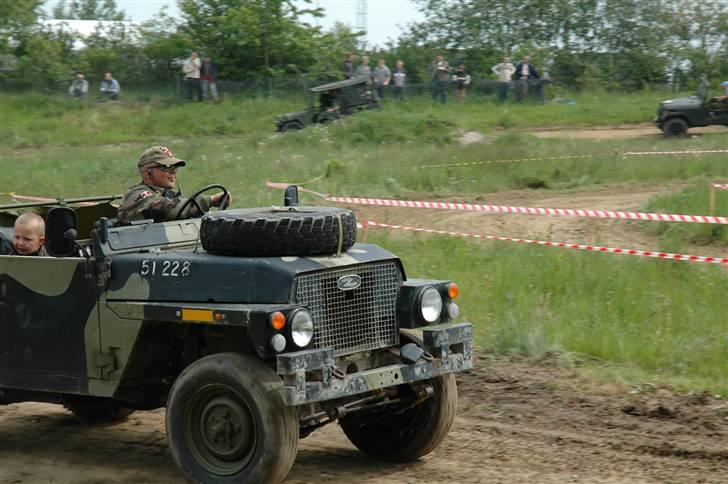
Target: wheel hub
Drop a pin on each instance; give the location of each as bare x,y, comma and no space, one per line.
222,430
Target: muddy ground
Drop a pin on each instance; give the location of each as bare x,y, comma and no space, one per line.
517,423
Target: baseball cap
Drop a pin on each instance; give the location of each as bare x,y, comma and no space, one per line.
159,155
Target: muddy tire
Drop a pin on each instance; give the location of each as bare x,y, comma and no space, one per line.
95,411
278,231
407,435
675,127
226,422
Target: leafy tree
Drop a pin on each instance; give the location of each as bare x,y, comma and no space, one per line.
88,10
46,61
18,19
251,37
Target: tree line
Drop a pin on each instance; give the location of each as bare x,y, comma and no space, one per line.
610,44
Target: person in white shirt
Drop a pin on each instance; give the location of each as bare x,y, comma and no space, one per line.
191,70
504,71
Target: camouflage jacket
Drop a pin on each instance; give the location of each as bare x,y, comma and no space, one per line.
160,204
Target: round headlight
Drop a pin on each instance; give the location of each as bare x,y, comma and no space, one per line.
302,328
430,304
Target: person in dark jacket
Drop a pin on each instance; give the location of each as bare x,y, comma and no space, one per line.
525,72
348,67
208,77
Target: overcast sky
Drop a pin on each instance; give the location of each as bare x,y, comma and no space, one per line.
385,17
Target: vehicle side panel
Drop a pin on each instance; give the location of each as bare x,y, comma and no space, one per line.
45,307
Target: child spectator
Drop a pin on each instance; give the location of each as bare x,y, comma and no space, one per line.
462,80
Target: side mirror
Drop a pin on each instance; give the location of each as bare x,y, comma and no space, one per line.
291,197
60,232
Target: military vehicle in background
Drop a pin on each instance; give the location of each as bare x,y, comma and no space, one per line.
329,102
675,116
253,327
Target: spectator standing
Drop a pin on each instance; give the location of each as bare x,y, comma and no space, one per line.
191,70
363,70
399,75
382,75
110,88
462,81
79,87
348,67
525,72
440,74
208,77
504,71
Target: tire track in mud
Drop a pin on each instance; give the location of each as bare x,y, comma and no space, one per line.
517,423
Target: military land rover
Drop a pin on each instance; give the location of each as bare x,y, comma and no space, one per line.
675,116
329,102
253,327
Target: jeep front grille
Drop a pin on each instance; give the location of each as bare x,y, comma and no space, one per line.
356,320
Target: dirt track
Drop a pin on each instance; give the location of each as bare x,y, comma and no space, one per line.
517,423
624,131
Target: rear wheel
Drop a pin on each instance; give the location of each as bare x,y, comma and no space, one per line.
675,127
227,423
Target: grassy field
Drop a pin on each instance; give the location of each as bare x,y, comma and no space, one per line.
631,319
36,120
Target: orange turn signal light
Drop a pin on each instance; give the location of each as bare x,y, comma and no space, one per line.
452,290
278,320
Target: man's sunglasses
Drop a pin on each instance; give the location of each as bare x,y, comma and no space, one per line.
167,169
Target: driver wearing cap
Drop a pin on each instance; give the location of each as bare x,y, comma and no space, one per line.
154,197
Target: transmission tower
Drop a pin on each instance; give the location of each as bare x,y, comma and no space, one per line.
361,23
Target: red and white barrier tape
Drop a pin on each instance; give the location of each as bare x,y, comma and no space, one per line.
568,212
720,186
685,152
569,157
591,248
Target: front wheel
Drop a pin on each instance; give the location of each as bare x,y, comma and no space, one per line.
410,433
675,127
226,422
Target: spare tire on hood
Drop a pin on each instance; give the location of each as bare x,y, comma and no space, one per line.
278,231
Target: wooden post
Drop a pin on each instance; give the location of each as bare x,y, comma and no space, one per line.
711,204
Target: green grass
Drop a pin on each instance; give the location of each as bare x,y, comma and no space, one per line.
660,320
36,120
664,320
694,200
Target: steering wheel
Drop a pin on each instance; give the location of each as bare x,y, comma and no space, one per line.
192,200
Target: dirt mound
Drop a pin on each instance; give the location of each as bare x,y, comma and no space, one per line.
517,423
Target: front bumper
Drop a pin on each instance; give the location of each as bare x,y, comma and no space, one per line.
449,344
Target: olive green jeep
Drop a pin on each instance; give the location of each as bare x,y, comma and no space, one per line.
329,102
675,116
253,327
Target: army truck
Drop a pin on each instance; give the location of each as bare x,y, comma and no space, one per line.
329,102
253,327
